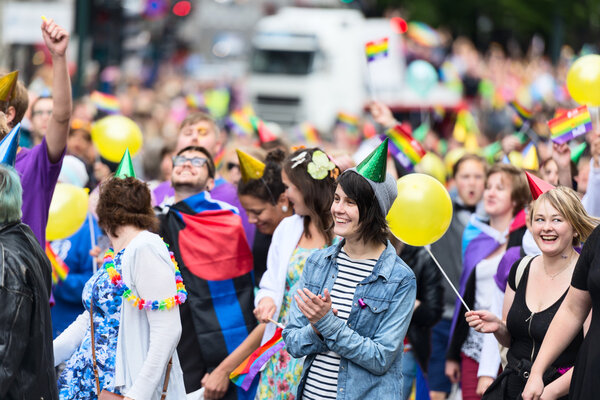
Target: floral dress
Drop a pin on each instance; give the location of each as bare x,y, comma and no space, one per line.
77,379
282,373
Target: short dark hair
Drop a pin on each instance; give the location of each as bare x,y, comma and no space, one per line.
317,193
372,224
125,202
20,101
210,163
270,186
520,192
468,157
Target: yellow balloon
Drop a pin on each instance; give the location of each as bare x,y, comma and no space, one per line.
422,211
68,211
583,80
432,165
114,134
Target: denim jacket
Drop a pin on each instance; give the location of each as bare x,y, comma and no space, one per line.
370,342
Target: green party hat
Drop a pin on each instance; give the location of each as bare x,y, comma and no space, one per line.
250,167
374,166
577,152
125,169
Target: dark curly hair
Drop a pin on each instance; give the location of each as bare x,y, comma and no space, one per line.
317,193
125,202
270,186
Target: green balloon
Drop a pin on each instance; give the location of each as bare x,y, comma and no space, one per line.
421,77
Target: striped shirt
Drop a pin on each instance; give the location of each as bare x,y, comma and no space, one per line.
322,377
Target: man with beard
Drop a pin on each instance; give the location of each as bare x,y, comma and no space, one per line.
209,243
40,166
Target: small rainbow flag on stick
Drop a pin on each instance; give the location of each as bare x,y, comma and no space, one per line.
59,268
406,149
105,102
247,370
522,113
571,124
377,49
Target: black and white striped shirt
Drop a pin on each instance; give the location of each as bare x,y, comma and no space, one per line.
321,381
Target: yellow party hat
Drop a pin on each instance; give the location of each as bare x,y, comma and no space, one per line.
7,85
250,167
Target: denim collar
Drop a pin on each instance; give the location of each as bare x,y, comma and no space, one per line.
382,267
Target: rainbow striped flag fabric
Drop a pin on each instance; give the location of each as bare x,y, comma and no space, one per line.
404,147
571,124
244,374
350,121
377,49
105,102
59,268
522,114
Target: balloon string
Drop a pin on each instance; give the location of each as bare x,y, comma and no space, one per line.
448,279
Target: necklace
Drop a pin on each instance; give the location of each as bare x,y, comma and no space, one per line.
552,276
137,302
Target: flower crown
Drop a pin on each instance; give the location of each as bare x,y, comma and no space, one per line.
319,167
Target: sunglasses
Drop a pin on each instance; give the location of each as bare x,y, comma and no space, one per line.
195,161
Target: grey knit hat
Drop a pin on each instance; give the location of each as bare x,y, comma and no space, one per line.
385,192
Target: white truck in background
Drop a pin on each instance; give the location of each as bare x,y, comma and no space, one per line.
306,65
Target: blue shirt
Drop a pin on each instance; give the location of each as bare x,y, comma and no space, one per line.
370,343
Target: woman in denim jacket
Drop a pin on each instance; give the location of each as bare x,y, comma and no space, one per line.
356,298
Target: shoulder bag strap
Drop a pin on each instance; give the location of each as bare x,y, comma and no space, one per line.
94,347
521,269
166,382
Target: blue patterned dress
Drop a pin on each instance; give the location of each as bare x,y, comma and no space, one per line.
77,379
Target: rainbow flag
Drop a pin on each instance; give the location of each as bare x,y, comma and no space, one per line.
406,149
105,102
522,114
218,159
348,120
240,123
571,124
377,49
59,268
244,374
309,134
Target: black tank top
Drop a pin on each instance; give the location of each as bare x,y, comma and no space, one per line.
527,329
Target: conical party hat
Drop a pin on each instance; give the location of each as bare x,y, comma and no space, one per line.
125,168
538,186
374,166
9,146
7,85
577,152
530,158
250,167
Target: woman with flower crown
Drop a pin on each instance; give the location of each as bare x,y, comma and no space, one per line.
309,177
133,299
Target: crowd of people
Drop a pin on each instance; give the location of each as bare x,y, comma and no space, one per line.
218,237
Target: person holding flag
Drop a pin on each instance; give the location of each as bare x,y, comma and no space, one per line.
209,244
355,299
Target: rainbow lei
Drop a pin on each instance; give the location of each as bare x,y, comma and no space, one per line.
137,302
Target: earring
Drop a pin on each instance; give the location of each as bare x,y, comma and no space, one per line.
576,234
284,208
